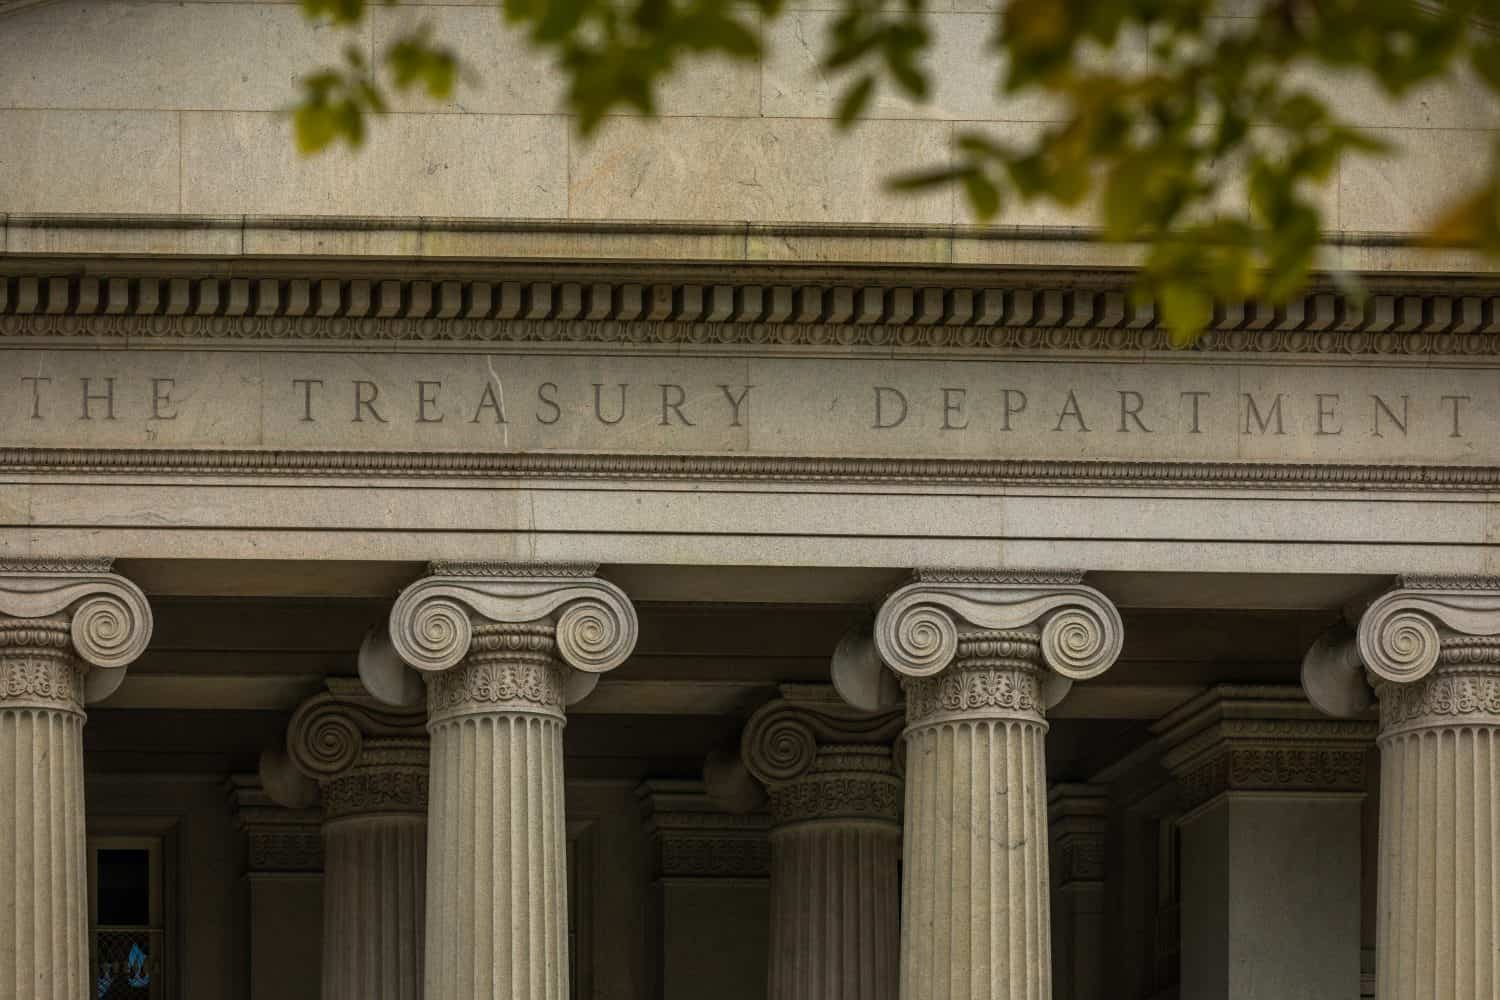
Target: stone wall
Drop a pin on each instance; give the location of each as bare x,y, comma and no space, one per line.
172,108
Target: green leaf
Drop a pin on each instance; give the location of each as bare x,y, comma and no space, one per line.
1186,309
983,195
853,103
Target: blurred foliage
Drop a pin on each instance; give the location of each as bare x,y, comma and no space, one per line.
1195,128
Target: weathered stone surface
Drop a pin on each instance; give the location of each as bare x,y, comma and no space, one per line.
89,161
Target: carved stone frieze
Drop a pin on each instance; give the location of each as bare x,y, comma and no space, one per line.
278,840
1239,738
977,691
562,465
505,680
1076,628
693,838
359,311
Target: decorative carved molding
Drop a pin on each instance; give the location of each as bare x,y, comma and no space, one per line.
513,671
985,690
109,620
739,468
1078,822
918,627
37,666
1239,738
278,840
591,621
361,311
1450,696
693,838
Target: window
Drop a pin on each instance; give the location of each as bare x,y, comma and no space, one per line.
127,938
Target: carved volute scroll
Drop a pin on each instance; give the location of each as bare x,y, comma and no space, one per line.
365,758
591,621
818,758
77,608
941,616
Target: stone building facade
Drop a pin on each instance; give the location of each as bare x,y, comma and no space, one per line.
502,565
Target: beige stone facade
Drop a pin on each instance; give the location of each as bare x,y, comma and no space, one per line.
671,565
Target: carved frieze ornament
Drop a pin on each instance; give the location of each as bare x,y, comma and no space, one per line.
78,607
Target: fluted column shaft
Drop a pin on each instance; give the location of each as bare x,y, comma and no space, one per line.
497,841
975,887
1439,918
835,852
44,950
375,875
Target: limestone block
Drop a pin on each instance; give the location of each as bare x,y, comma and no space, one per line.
88,161
240,56
1430,170
447,165
755,170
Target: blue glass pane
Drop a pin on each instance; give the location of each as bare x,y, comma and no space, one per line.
125,967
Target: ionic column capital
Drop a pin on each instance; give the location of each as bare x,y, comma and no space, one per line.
1078,630
820,759
364,757
591,620
53,611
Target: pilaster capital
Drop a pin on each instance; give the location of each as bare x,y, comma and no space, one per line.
594,624
692,837
365,757
1078,817
917,630
1252,738
279,840
79,605
820,759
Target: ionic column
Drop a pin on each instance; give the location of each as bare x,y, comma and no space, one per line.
1432,652
67,632
981,656
503,650
1271,794
835,844
370,768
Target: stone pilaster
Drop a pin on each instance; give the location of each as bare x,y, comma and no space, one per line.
1432,650
67,632
370,764
981,657
835,799
1271,795
1078,817
504,649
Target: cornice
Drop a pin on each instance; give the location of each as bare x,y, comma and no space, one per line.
1032,316
236,463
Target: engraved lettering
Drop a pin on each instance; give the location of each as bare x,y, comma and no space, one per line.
1197,398
881,392
307,384
1327,402
108,396
736,402
546,396
1130,407
161,395
953,406
673,397
1381,406
1070,409
1262,422
427,396
36,393
1015,402
599,405
487,399
1455,400
363,402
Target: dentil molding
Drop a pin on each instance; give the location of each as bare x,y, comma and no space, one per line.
360,311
